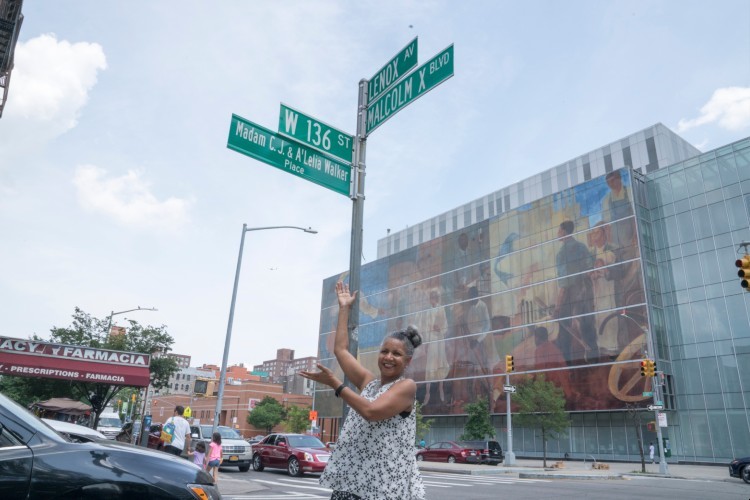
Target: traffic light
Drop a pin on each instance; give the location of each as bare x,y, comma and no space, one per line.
744,271
509,366
648,368
133,398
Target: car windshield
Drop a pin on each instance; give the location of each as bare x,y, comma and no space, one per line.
109,422
305,442
226,432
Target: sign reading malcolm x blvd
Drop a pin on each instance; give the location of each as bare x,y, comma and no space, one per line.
30,358
260,143
417,83
315,133
393,71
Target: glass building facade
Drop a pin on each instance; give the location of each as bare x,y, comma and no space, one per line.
579,284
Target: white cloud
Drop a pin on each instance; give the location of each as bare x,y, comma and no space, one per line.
128,199
729,106
49,85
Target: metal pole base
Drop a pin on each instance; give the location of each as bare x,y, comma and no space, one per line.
510,459
663,469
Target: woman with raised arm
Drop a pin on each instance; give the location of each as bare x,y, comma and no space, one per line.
374,455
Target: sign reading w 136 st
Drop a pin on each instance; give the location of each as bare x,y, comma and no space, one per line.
315,133
424,78
269,147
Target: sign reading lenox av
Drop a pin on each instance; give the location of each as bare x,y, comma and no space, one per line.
269,147
393,71
315,133
417,83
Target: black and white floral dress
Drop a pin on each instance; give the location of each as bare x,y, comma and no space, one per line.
375,460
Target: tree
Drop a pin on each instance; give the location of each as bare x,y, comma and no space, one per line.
423,426
634,414
267,414
88,331
478,424
297,419
541,404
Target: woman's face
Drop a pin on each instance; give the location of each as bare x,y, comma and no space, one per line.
392,359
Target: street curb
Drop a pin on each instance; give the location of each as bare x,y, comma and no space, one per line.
553,475
468,472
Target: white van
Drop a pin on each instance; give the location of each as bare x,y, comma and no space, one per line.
109,424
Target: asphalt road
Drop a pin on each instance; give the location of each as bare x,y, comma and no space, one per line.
277,485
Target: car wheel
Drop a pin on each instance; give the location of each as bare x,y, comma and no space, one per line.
746,474
451,459
420,458
257,463
244,468
293,468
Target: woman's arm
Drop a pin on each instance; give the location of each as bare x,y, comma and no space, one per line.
353,369
400,397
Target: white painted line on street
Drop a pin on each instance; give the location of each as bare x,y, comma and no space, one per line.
433,483
294,485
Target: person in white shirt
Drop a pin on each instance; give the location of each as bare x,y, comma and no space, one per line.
651,451
181,432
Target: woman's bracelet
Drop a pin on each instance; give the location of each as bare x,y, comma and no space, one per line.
338,390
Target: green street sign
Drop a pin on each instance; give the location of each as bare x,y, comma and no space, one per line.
416,84
393,71
648,394
269,147
315,133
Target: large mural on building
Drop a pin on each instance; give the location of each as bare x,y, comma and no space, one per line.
556,283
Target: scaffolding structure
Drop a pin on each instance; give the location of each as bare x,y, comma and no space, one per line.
10,26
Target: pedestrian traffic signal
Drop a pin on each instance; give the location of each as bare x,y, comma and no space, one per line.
509,365
744,271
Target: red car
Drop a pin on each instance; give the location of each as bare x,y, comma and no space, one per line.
448,451
297,453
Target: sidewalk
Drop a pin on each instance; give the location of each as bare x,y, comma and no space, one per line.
573,469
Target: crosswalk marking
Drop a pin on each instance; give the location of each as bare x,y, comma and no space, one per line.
430,480
281,481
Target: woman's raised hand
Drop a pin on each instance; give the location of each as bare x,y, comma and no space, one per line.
346,299
324,376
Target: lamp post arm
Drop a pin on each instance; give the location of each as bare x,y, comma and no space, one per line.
223,374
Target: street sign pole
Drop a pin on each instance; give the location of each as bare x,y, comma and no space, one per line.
358,202
663,467
510,457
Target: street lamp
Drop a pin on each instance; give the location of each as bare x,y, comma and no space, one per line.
223,376
663,467
139,308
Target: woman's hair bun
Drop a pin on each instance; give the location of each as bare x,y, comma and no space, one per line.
412,334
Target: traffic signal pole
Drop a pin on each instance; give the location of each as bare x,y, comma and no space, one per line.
510,457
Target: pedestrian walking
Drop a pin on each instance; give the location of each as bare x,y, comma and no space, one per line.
199,455
651,451
176,432
374,456
214,459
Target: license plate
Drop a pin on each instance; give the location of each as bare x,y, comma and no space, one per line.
234,458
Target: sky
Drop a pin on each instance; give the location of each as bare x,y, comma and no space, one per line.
117,190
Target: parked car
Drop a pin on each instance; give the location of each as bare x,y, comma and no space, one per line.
36,462
448,451
740,467
491,452
297,453
235,450
74,432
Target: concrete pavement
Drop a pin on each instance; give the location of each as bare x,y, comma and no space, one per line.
573,469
